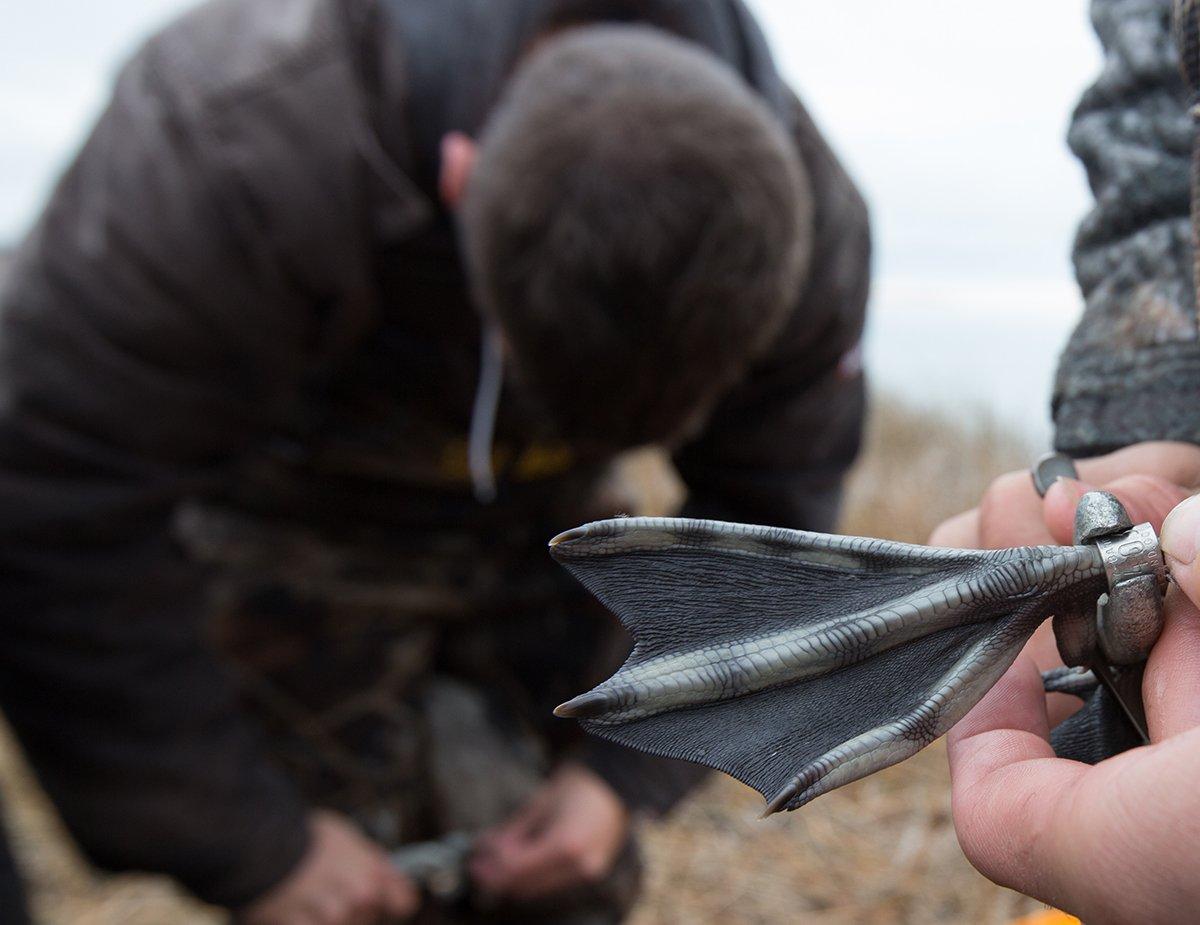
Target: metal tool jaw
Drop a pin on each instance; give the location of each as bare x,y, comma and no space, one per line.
438,867
1129,618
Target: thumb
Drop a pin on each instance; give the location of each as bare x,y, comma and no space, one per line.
1180,538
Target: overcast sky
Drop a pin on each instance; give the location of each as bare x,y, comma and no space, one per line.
951,115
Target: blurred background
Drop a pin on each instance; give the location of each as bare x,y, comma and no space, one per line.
953,124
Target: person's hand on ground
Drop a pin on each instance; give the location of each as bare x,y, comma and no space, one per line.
568,835
343,879
1116,842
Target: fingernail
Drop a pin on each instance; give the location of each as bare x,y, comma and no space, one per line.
1180,531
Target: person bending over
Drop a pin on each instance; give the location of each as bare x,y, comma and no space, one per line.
343,310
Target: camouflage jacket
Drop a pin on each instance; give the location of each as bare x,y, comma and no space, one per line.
244,289
1131,371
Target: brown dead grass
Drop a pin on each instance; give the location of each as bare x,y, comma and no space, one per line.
881,851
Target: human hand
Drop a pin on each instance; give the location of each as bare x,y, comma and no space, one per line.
343,879
1115,842
568,835
1011,513
1149,478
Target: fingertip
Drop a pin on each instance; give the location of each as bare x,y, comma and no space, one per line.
455,145
1180,531
1180,539
1058,508
458,155
959,532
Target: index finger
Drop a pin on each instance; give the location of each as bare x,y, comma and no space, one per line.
1010,513
1176,462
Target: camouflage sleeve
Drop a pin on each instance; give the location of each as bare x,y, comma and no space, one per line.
1131,370
138,354
778,447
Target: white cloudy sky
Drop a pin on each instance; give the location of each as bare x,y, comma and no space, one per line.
951,115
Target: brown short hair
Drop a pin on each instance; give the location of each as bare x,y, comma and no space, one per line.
638,223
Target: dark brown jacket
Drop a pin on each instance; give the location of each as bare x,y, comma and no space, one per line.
246,267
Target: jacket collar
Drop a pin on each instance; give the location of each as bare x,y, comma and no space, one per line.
443,63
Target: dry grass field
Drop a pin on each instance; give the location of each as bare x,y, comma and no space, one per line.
881,851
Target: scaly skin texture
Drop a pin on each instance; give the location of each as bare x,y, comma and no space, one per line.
710,673
737,638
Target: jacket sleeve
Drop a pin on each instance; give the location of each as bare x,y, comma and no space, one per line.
1131,370
143,344
777,448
